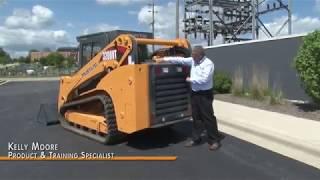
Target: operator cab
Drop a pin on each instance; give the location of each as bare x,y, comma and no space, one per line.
90,45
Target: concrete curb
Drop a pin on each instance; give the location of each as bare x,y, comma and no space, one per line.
280,140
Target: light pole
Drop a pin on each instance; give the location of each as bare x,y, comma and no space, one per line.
177,18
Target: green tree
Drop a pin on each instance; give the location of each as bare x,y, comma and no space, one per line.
22,59
33,50
307,64
222,83
57,60
69,62
53,59
4,57
43,61
27,59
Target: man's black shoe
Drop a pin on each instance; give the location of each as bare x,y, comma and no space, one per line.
214,146
192,143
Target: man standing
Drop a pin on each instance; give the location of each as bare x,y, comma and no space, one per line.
201,75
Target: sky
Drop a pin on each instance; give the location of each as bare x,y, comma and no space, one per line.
39,24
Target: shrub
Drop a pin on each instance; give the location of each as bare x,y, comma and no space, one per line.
237,85
276,97
259,88
222,83
307,64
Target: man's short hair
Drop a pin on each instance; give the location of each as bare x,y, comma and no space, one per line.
199,49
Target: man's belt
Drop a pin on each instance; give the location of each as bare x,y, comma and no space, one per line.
202,92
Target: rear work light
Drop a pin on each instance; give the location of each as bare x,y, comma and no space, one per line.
179,69
165,70
161,70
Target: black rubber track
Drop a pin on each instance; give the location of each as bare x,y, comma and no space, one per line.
111,137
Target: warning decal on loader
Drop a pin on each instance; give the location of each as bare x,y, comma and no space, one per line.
113,53
109,55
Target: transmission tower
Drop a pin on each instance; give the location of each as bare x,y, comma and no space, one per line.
234,20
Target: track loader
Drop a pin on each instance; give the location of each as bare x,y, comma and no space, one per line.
119,90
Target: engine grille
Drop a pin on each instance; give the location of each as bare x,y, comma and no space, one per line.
170,94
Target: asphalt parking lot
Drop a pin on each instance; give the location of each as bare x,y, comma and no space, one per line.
237,159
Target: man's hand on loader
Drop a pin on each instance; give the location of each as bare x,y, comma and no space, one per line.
157,59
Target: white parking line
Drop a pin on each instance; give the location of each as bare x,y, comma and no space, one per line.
3,82
25,79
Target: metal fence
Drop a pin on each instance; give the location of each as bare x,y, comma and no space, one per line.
273,57
34,70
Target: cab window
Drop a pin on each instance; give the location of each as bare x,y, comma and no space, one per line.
85,53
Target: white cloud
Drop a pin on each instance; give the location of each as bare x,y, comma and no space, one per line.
299,25
25,30
70,25
306,24
39,17
120,2
164,19
100,28
17,54
26,39
132,12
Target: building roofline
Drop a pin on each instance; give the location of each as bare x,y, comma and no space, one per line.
104,32
67,49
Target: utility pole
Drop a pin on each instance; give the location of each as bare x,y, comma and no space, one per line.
289,17
177,18
152,23
211,23
254,20
153,18
184,19
257,16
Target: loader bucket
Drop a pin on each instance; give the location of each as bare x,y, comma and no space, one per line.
48,114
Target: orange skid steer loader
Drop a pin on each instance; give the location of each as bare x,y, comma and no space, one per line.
121,91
